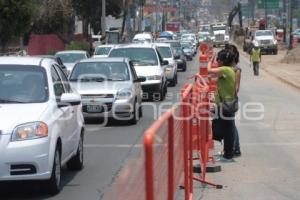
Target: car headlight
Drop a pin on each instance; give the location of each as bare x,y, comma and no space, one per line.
155,77
227,38
124,93
274,42
256,43
30,131
213,38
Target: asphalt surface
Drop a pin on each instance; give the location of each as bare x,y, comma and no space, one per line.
107,149
269,167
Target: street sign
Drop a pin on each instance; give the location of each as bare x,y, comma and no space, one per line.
246,10
268,4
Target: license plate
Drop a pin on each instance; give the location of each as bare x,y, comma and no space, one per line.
94,108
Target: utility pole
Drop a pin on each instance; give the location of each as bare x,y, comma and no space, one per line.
103,18
290,25
266,13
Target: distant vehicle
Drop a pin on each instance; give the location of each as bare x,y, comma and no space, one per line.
186,43
96,40
178,54
188,50
219,34
57,60
109,87
147,62
70,58
173,26
171,70
42,126
102,51
266,41
190,37
143,37
203,36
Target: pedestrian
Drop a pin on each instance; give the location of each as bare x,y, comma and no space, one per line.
238,73
255,58
226,91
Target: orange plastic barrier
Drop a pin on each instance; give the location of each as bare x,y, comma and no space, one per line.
169,146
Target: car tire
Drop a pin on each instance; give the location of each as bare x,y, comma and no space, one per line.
184,67
135,117
53,185
140,111
76,163
173,82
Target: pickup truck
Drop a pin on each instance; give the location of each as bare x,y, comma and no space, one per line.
266,41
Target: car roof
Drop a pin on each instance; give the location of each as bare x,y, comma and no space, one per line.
17,60
105,45
71,51
158,44
143,35
104,59
136,45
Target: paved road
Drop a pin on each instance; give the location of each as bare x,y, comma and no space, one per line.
106,150
270,164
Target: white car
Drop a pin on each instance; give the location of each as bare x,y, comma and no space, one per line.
70,58
109,88
143,38
41,125
147,62
102,51
171,70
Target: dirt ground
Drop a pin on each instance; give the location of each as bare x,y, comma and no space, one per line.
292,56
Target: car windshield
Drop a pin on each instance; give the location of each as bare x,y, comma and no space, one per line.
71,57
139,56
102,50
186,45
165,52
264,33
177,50
23,84
100,71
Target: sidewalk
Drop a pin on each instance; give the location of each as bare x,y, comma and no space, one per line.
288,73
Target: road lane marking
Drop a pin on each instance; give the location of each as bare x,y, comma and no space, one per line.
272,144
113,146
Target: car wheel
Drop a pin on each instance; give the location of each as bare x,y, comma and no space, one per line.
135,117
76,163
173,82
140,111
53,185
184,67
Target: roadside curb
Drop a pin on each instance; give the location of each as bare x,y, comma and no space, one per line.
281,79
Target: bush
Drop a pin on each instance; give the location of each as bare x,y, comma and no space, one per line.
52,52
78,46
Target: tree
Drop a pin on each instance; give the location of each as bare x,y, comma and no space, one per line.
54,17
90,12
15,18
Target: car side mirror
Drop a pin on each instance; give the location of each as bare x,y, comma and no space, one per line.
69,99
165,62
140,79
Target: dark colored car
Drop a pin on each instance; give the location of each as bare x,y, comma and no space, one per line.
180,58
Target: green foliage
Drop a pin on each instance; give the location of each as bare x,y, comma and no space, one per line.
90,10
52,52
78,46
15,18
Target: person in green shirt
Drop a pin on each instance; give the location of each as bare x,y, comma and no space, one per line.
255,58
226,88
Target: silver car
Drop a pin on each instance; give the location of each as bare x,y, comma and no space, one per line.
109,88
69,58
171,69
